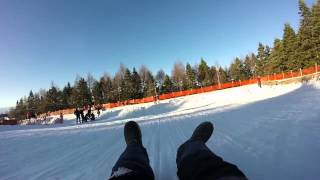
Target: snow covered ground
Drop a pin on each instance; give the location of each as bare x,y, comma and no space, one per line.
270,133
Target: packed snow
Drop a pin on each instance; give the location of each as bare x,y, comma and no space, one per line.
269,133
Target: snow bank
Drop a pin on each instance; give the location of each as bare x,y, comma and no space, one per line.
269,133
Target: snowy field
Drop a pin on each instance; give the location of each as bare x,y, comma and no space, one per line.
269,133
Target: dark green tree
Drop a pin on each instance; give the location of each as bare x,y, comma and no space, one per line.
97,93
67,96
167,86
204,77
81,93
136,85
289,45
305,55
108,91
191,77
53,99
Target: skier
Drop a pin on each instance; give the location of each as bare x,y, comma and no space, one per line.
259,81
89,110
61,117
194,159
77,113
98,110
92,117
83,118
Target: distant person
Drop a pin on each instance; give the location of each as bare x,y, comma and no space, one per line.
89,110
195,161
98,110
92,117
259,81
61,117
28,115
83,118
77,113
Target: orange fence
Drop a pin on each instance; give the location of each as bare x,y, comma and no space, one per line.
280,76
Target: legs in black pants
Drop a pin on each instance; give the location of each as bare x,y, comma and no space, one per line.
133,164
195,161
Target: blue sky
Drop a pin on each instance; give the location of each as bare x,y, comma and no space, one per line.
55,40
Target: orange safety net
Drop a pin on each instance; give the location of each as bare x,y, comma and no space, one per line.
280,76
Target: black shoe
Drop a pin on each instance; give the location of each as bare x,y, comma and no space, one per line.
132,133
203,132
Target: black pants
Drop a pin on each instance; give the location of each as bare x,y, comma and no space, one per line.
78,119
133,164
195,161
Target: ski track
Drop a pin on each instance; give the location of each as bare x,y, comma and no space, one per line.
274,138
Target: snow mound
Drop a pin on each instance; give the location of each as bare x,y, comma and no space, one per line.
269,133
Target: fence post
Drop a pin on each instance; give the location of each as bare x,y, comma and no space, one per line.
274,76
240,82
316,68
300,72
282,75
268,77
291,74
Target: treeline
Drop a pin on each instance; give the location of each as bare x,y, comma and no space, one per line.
293,51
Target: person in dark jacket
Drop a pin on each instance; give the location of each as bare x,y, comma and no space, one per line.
77,113
83,118
195,161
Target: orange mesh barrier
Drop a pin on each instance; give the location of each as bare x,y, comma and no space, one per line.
280,76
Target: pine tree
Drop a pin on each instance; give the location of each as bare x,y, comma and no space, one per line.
262,59
191,77
249,66
67,96
108,91
53,99
204,77
37,103
31,102
316,31
97,93
167,86
304,53
289,45
223,75
126,86
237,70
81,93
276,63
136,85
148,84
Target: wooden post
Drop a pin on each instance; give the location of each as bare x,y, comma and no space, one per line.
240,82
316,68
268,77
291,74
300,72
282,75
274,76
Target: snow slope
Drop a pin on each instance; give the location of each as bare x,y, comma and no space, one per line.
270,133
